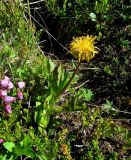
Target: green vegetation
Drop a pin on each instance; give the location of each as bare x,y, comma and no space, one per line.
44,120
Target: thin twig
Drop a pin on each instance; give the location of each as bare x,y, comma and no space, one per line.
126,112
83,69
50,34
81,85
115,119
34,2
122,112
26,158
45,28
73,61
29,102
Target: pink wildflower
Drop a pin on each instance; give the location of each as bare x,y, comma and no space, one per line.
21,85
10,85
1,140
20,95
8,108
6,78
9,99
4,83
3,93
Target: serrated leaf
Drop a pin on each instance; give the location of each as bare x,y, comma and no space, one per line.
88,94
108,105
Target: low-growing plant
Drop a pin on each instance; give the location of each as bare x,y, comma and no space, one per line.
50,118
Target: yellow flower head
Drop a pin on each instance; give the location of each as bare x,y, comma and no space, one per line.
83,48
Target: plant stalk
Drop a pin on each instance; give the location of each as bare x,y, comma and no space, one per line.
70,80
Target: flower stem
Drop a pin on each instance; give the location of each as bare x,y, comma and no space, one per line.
70,80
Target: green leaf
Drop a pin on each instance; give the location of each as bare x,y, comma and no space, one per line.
24,151
26,141
29,153
108,105
88,94
59,74
42,157
3,158
18,150
37,116
38,104
50,65
9,146
85,93
93,16
108,70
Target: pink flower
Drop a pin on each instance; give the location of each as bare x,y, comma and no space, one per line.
4,83
3,93
6,78
10,85
20,95
1,140
8,108
21,85
9,99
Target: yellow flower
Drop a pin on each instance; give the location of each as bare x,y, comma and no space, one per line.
83,48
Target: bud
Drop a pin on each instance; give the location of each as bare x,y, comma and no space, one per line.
8,108
1,140
20,95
